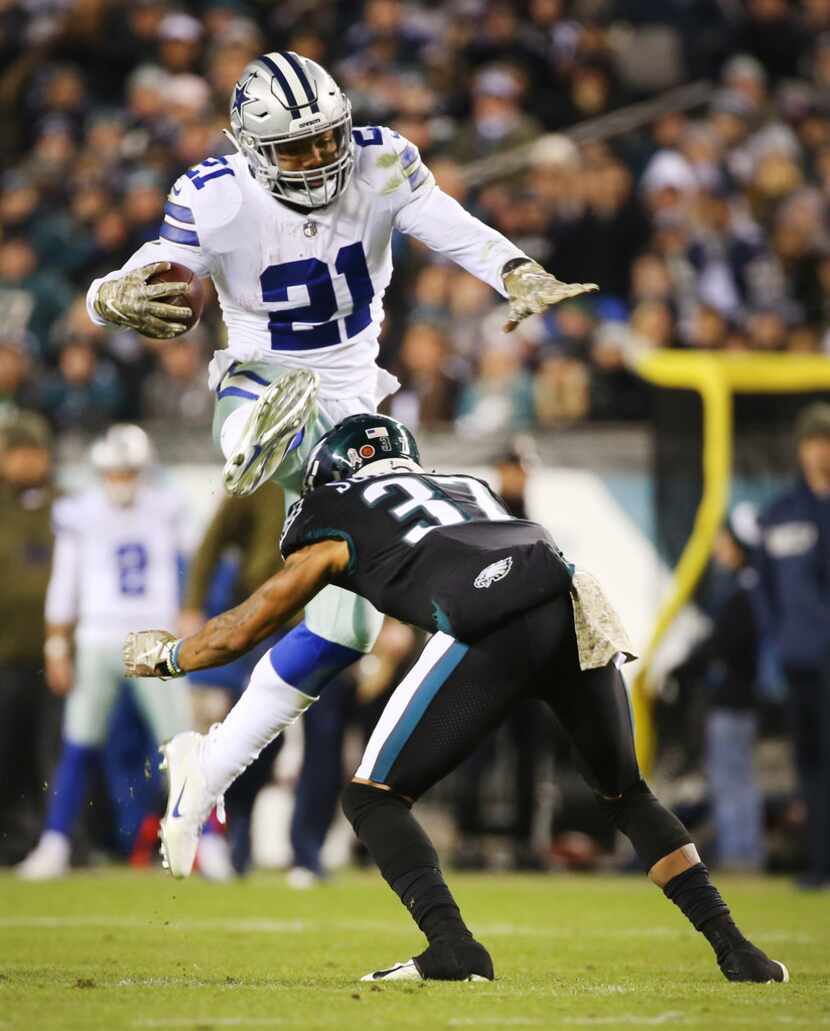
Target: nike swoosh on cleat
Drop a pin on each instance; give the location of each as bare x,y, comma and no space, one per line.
176,812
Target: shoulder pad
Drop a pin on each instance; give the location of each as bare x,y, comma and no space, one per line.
206,197
388,163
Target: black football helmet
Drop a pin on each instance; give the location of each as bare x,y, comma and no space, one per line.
353,444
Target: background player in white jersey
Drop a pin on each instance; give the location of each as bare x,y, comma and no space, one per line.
295,230
117,548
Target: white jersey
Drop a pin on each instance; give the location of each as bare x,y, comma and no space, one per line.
305,289
115,568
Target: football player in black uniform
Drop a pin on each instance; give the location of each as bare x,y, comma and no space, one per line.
510,619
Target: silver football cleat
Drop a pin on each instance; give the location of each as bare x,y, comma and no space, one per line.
282,411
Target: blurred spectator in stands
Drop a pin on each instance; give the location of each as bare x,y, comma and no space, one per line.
29,716
723,668
651,325
178,390
606,236
616,392
16,388
707,330
500,399
771,33
745,76
767,330
795,579
430,389
498,122
142,205
84,392
48,291
179,42
721,251
561,390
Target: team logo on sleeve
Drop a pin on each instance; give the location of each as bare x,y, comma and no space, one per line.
493,573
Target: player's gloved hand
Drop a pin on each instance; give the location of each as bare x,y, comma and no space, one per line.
131,301
151,653
530,290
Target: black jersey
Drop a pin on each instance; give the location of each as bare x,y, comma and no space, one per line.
439,552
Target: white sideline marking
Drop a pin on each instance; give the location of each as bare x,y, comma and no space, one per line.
496,1022
212,1022
669,1017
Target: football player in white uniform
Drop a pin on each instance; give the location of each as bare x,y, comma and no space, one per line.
295,230
117,547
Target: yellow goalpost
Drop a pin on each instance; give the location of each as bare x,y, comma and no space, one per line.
716,377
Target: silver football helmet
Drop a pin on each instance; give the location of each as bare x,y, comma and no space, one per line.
293,124
124,447
120,458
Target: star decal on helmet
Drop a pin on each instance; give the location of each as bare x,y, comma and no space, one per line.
241,97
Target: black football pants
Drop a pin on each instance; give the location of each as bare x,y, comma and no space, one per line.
456,694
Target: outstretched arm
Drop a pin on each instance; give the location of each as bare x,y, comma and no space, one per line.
157,653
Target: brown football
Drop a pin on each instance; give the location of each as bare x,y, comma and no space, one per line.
195,300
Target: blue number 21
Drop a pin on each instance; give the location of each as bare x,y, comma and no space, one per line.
306,326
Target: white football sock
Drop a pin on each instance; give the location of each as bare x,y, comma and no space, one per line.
232,429
267,706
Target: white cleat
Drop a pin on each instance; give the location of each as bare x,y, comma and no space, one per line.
407,972
399,972
188,803
48,860
283,409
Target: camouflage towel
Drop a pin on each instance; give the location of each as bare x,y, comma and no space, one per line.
600,634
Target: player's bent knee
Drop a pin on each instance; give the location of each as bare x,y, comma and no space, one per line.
653,830
358,800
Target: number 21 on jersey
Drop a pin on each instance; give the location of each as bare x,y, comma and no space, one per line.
309,314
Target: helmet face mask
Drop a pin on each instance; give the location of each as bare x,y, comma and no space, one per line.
360,445
293,125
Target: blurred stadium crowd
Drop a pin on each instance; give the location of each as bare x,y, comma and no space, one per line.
705,230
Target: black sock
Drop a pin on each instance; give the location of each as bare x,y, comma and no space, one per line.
406,858
425,894
702,905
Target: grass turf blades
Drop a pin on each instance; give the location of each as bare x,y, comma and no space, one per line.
121,950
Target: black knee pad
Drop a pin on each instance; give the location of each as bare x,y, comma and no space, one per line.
653,830
383,822
358,800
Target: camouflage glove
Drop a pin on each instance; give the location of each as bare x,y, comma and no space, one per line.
530,290
152,653
131,301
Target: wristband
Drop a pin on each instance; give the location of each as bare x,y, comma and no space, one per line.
173,659
513,264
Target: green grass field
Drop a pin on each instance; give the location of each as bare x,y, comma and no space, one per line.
127,950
